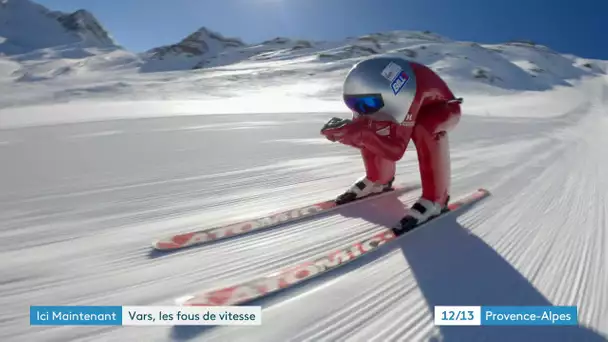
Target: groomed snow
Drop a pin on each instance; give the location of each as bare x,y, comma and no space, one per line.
81,203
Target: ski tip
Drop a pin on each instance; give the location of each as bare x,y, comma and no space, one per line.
175,242
182,301
189,301
483,192
474,196
161,245
480,193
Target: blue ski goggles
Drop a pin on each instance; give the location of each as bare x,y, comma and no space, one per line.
364,104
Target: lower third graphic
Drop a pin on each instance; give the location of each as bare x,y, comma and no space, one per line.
506,315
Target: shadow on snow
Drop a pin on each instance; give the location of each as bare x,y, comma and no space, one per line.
457,269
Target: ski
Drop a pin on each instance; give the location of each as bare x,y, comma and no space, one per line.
268,284
209,235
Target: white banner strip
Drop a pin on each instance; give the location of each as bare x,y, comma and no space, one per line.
191,315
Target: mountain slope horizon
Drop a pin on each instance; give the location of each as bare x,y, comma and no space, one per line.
79,53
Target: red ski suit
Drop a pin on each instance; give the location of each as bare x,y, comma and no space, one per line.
434,112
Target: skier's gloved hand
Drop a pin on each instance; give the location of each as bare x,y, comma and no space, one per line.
335,128
335,123
345,131
354,136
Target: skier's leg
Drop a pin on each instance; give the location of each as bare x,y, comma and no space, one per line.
432,145
379,176
378,170
430,136
434,165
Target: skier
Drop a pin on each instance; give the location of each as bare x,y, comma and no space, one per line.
394,100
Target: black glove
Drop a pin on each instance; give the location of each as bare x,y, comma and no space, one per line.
333,129
336,123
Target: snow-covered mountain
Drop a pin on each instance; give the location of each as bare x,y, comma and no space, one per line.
75,53
206,48
512,65
191,52
26,26
37,44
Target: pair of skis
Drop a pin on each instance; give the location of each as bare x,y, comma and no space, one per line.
210,235
271,283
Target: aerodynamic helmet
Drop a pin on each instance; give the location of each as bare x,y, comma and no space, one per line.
382,88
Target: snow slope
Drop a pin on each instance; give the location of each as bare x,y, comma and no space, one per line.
102,153
288,68
81,203
107,78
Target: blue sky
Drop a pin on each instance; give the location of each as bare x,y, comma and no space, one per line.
566,26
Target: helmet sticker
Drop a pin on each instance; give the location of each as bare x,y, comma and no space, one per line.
398,83
391,71
395,74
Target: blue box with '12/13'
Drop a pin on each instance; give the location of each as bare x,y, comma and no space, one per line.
75,315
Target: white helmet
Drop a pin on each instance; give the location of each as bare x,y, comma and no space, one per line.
381,88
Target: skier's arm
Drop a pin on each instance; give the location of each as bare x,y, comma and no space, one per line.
344,131
392,146
384,139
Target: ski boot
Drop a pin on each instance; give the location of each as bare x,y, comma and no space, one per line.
422,211
363,188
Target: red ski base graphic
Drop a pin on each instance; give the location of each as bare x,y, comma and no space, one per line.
274,282
240,228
